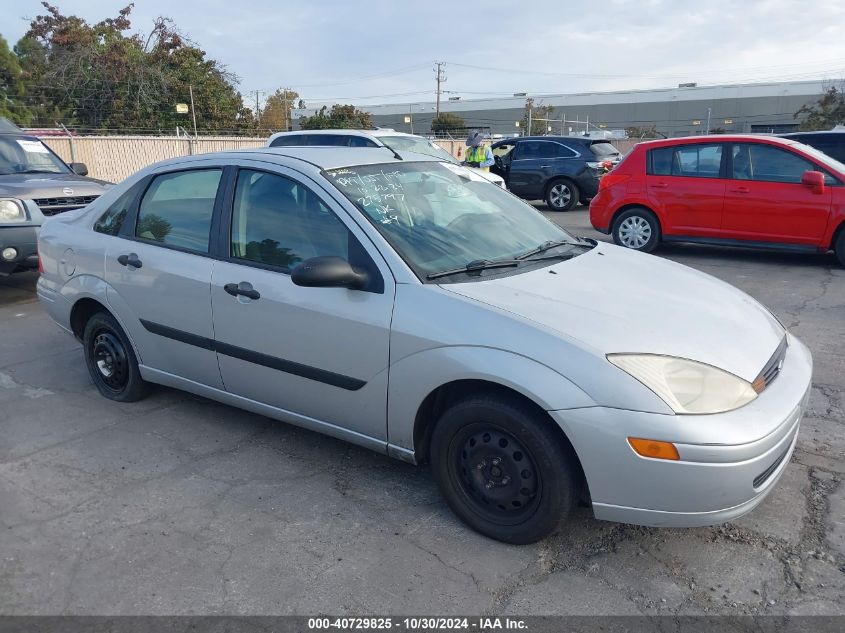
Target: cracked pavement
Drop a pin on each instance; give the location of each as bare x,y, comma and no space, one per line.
179,505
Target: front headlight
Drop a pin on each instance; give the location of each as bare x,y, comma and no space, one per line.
11,210
685,385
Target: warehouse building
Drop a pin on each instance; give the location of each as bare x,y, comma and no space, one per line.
681,111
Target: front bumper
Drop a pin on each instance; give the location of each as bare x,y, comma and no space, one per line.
728,462
24,239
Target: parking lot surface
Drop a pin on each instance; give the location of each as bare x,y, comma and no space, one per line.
179,505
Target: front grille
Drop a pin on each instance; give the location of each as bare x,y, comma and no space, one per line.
760,479
52,206
772,367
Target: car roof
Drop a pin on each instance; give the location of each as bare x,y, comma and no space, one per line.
719,138
319,157
371,134
814,133
556,137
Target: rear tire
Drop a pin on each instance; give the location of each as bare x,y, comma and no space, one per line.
562,195
503,468
111,360
839,247
637,229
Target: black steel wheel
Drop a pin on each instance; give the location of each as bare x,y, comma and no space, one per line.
495,473
504,467
111,361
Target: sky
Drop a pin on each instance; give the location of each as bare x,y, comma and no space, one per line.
383,51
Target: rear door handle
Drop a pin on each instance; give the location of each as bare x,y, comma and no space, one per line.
243,289
660,185
130,260
741,190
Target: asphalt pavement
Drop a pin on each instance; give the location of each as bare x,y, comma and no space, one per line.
179,505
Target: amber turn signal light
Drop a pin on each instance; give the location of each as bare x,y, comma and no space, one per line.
654,448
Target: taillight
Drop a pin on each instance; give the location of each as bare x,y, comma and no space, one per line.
40,266
611,179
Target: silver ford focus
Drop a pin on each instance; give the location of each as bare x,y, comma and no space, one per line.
409,306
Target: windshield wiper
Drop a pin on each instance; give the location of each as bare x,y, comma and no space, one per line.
545,246
37,171
475,265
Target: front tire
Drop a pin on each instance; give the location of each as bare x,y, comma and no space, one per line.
839,247
637,229
562,195
503,468
111,360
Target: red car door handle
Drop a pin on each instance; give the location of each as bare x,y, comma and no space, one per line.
741,190
660,185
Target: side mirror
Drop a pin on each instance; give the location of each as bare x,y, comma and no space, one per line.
814,180
79,169
327,272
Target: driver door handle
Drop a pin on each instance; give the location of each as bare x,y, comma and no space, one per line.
243,289
659,185
741,190
131,260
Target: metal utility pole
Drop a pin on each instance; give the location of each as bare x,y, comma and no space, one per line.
193,112
708,120
440,76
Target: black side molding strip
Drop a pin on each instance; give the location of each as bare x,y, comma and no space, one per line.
720,241
178,335
279,364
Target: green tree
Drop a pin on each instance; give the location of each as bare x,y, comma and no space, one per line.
340,116
649,131
539,126
448,123
100,77
826,113
12,101
276,115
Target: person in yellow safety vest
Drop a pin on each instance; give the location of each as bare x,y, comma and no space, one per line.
479,153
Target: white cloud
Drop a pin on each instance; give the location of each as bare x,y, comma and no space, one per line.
614,44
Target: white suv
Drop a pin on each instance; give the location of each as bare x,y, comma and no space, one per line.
382,137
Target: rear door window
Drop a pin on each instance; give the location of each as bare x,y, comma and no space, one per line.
537,149
177,207
695,161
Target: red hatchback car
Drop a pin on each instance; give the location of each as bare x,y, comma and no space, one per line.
740,190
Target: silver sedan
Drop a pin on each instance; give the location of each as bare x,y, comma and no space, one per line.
409,306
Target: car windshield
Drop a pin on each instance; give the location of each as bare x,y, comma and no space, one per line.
28,155
419,145
825,159
440,216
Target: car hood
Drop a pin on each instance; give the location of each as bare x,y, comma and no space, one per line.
489,175
28,186
616,300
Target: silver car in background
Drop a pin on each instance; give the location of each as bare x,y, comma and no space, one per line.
409,306
378,137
